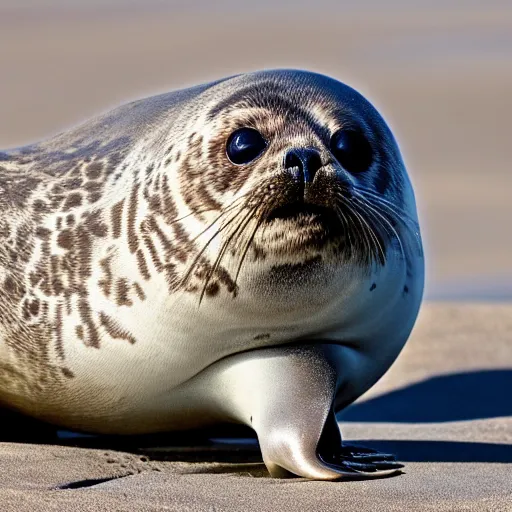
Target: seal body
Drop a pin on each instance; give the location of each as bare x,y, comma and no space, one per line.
245,251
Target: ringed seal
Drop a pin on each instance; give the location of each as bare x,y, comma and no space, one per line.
245,251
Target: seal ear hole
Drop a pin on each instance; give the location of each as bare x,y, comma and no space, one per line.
245,145
352,150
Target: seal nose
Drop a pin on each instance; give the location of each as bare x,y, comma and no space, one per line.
307,160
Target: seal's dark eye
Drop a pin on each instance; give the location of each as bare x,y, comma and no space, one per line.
352,150
244,145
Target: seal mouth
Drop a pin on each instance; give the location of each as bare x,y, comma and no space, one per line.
306,213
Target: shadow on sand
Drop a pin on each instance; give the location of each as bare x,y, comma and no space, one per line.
444,398
442,451
453,397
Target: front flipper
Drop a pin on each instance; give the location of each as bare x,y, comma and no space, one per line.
286,394
365,462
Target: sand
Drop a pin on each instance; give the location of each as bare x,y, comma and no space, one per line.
442,78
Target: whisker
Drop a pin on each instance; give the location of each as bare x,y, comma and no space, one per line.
373,193
346,227
251,238
202,251
195,212
364,230
222,251
380,209
375,238
384,220
228,208
387,208
361,232
398,212
379,222
192,266
198,212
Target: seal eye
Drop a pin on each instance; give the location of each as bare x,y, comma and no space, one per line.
244,145
352,150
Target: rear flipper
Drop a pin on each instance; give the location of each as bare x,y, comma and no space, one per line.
286,394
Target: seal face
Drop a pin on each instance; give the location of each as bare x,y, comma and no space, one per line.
246,251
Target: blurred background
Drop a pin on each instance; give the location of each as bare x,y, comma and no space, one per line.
440,71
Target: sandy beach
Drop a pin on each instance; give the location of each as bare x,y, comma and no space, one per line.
442,78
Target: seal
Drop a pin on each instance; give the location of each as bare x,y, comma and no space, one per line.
245,251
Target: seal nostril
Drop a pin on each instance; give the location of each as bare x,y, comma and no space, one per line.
314,163
307,160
